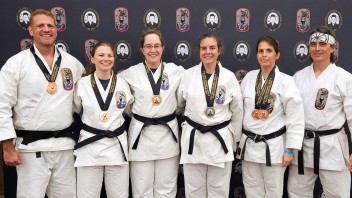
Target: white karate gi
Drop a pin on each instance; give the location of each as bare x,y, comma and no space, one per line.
23,88
103,157
287,111
156,144
207,149
334,153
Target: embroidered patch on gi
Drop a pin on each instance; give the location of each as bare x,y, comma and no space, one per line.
271,102
67,78
220,95
120,97
164,82
321,99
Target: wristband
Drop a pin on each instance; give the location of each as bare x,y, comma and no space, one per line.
288,152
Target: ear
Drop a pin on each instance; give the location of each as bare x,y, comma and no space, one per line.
277,56
30,30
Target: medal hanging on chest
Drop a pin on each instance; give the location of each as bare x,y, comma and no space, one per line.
51,88
262,95
210,96
156,99
104,115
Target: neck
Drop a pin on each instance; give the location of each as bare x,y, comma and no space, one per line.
209,68
103,75
320,67
46,51
266,71
154,65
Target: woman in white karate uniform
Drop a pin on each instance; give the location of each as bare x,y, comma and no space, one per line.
212,99
273,123
102,147
153,132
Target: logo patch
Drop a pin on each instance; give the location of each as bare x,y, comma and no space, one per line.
67,79
152,19
123,50
90,19
120,97
60,44
26,43
88,47
300,52
272,20
242,19
321,99
22,17
212,19
164,81
240,74
183,19
271,102
303,20
121,19
333,19
241,51
60,18
220,95
182,51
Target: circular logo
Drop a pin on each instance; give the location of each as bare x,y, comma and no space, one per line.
121,19
62,45
88,47
22,17
333,19
123,50
152,19
241,51
300,52
182,51
240,74
90,19
26,43
212,19
272,20
60,18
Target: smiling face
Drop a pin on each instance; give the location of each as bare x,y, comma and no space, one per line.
103,58
152,49
209,51
43,30
320,51
266,55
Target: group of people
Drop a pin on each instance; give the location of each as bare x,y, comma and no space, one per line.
270,121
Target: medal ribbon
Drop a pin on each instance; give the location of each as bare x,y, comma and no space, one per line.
210,96
103,106
155,86
262,93
49,77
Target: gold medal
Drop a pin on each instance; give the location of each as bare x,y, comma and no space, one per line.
156,100
210,111
104,116
51,88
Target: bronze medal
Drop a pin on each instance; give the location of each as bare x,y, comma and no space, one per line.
104,116
264,114
210,111
51,88
156,100
255,114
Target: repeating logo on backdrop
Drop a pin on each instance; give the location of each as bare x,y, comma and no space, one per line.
60,18
333,19
121,19
90,19
303,20
241,51
123,50
22,17
182,51
152,19
300,52
212,19
88,47
272,20
26,43
60,44
182,19
242,20
240,74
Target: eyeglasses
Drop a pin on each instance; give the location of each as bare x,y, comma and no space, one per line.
150,47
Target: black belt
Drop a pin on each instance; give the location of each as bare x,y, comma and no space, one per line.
32,136
154,121
262,138
204,129
100,134
316,135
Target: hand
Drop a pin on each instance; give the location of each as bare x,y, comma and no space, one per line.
350,164
11,156
286,160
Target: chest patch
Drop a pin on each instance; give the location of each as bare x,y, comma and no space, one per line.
67,79
120,97
321,99
220,95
